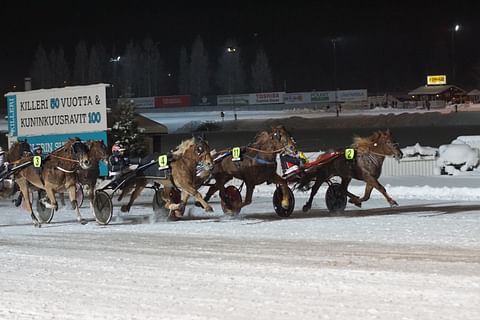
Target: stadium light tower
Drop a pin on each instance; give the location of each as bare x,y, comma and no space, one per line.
456,28
115,61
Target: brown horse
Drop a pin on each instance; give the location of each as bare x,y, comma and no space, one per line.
18,150
366,165
256,165
97,151
56,175
190,166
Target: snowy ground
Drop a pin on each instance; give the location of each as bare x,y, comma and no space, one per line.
420,260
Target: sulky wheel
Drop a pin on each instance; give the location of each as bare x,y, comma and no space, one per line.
102,207
335,199
158,202
277,202
45,215
231,201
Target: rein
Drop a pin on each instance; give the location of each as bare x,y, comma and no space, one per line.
264,151
63,158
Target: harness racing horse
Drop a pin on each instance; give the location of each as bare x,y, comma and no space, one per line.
97,151
366,165
56,175
190,167
16,152
255,166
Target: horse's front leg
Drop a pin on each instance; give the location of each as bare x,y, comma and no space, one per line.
51,197
72,193
211,191
285,194
373,183
26,197
136,192
191,191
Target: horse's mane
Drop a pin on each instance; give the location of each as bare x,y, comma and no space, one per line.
183,147
261,137
97,149
364,143
14,150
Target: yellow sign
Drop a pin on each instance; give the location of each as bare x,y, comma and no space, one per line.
349,153
163,161
436,80
236,154
37,161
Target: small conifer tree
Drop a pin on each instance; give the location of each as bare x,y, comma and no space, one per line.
125,129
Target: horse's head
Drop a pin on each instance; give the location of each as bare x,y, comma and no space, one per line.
282,139
204,157
97,150
197,151
384,143
78,151
18,150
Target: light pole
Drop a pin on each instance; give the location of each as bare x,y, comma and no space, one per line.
231,51
115,61
334,43
455,29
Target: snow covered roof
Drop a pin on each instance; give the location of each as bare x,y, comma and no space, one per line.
474,92
150,126
431,90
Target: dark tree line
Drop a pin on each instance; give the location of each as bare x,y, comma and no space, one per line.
140,71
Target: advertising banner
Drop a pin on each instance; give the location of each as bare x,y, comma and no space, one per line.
56,111
230,100
266,98
173,101
352,95
436,80
205,101
297,97
139,103
322,96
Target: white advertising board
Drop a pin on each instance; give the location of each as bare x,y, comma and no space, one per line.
57,111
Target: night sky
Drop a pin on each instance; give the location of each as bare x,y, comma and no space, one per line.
381,47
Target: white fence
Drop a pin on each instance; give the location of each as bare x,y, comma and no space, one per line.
409,167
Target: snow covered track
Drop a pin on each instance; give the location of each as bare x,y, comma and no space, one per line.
418,261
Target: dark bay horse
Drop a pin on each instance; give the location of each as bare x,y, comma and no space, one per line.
97,151
56,175
190,166
366,165
256,165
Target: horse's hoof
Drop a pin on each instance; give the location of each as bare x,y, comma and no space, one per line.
83,221
124,208
209,209
393,204
285,204
198,204
305,208
172,216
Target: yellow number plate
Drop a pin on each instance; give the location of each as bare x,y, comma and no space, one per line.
163,161
349,154
37,161
236,154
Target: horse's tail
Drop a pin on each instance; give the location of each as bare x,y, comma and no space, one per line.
304,183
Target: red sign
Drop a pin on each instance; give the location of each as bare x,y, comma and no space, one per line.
173,101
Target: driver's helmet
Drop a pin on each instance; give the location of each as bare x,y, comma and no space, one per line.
117,148
37,149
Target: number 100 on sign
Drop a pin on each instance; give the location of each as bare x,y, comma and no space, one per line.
94,117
